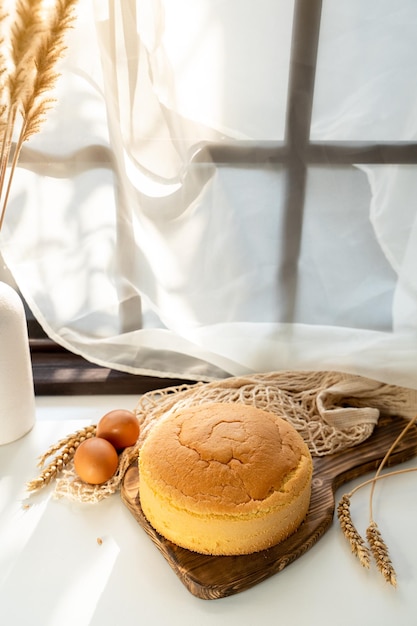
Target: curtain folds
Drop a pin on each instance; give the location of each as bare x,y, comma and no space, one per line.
134,248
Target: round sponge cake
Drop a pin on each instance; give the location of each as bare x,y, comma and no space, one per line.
224,479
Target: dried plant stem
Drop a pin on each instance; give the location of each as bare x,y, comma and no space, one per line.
66,448
11,172
378,547
36,43
343,509
26,29
5,155
370,481
384,460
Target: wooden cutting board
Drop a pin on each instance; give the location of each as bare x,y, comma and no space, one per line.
211,577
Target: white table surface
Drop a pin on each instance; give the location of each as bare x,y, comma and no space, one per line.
53,572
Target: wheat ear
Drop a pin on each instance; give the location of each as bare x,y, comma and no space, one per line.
357,544
66,448
378,547
380,553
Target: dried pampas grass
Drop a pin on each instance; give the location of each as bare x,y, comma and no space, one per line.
32,41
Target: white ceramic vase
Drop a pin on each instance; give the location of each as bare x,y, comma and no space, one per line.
17,397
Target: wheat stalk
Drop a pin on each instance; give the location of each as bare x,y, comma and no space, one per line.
87,430
378,547
66,448
36,44
384,460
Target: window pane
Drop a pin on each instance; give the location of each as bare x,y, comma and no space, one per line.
344,278
366,86
222,64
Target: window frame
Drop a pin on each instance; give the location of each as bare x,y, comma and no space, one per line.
60,372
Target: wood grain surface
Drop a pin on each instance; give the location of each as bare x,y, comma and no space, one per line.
211,577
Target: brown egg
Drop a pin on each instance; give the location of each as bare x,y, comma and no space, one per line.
120,427
95,460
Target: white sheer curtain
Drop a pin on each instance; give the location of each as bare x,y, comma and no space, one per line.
136,254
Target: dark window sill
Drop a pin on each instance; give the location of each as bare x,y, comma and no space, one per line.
59,372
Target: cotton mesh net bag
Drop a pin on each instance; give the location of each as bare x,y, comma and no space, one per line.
332,411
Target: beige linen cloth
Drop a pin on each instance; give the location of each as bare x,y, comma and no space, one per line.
331,410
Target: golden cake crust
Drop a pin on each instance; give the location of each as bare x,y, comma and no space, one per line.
224,478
